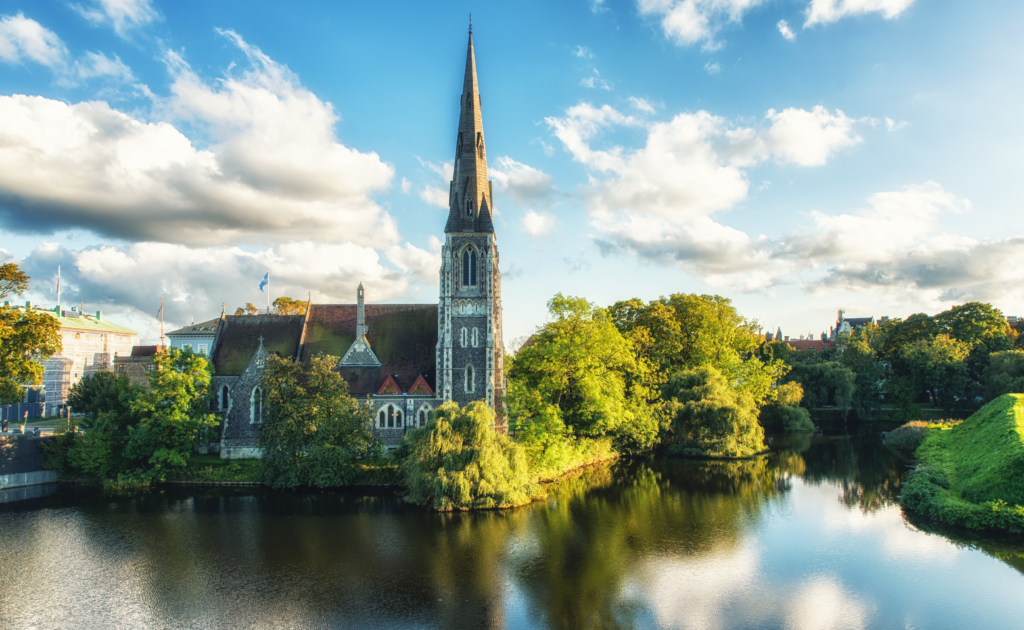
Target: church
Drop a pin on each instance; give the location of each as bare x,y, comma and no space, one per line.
403,360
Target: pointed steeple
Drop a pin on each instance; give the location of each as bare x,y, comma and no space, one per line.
470,201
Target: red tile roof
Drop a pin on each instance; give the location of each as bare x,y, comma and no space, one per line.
810,344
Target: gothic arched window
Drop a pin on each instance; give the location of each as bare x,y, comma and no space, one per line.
462,337
390,417
472,268
476,337
382,420
256,407
470,379
225,398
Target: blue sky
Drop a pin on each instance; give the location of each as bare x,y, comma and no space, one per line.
797,156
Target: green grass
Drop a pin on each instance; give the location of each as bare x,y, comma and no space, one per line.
972,474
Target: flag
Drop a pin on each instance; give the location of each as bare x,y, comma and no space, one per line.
266,281
159,311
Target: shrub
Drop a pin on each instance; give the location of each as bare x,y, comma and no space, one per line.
905,439
796,420
710,418
458,462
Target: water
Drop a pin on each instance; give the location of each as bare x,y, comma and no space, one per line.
808,538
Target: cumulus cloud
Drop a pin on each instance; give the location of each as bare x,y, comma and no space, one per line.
127,282
688,22
826,11
522,182
97,64
23,39
121,15
538,223
273,167
406,186
596,82
892,125
786,32
435,196
419,264
641,104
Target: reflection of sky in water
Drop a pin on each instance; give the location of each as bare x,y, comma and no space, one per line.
668,545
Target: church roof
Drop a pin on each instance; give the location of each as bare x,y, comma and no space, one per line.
403,336
240,338
203,328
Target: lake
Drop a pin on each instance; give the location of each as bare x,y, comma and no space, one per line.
809,537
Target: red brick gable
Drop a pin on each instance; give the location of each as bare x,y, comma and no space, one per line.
420,388
389,388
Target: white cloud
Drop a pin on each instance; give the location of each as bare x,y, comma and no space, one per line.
712,67
419,264
406,186
826,11
689,22
126,282
97,64
538,223
23,39
274,169
444,170
584,52
787,32
596,82
434,196
597,6
121,15
809,138
641,104
892,125
522,182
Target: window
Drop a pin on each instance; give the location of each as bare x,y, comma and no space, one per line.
202,349
390,417
462,338
469,268
469,208
256,408
470,379
472,268
423,415
78,335
465,269
476,337
225,398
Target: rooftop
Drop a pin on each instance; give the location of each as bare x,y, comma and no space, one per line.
203,328
73,320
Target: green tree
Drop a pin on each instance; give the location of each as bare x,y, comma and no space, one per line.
171,418
825,383
860,357
458,462
106,400
248,309
581,377
940,366
313,431
786,414
287,306
710,418
27,338
982,328
1005,374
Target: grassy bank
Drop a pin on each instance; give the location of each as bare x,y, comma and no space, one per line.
972,475
211,468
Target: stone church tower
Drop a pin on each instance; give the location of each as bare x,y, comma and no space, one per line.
470,353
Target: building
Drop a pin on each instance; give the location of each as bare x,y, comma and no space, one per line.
814,345
197,337
137,365
846,325
403,360
89,344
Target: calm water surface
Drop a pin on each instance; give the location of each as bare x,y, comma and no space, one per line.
807,538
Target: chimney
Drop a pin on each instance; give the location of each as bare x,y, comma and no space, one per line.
28,305
99,316
360,328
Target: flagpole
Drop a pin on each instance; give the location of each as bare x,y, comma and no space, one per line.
162,344
268,292
59,314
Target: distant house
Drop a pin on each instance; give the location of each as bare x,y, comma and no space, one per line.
846,325
89,344
814,345
137,365
197,337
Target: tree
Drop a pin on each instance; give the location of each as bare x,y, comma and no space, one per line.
581,367
27,338
458,461
786,414
248,309
1004,374
313,431
287,306
106,400
981,327
710,418
859,356
940,366
828,382
171,418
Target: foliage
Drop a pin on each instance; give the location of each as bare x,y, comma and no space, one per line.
27,338
458,462
248,309
828,382
581,377
972,475
287,306
905,439
861,358
981,327
710,418
313,431
239,470
171,418
100,392
938,365
1004,374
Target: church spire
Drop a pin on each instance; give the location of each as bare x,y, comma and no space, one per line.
470,200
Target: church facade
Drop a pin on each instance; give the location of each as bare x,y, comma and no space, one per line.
402,360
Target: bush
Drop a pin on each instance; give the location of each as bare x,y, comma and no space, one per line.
905,440
458,462
796,420
710,418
